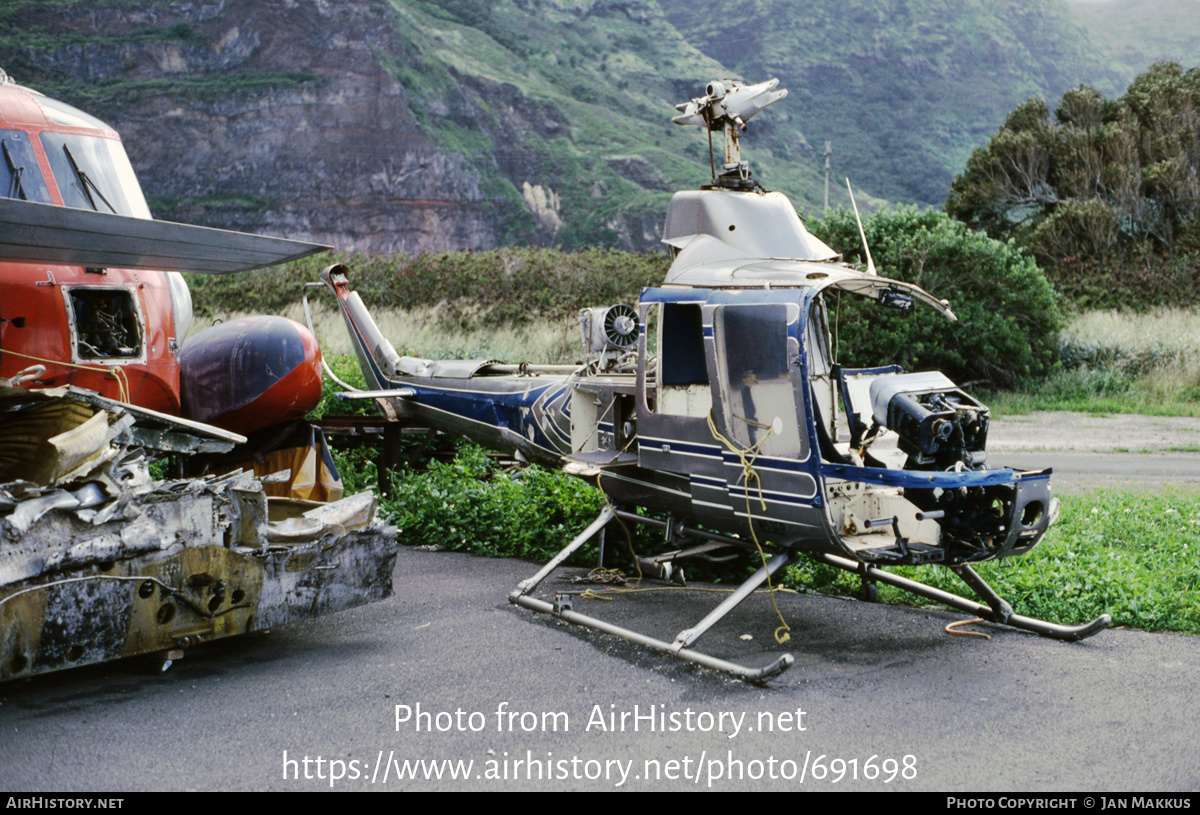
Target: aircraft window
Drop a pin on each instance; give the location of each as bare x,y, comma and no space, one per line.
820,359
682,359
760,399
106,323
820,364
94,173
20,175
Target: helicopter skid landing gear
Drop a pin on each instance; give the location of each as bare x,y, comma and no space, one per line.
681,647
996,610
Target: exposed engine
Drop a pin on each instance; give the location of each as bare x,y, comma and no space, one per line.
937,423
609,332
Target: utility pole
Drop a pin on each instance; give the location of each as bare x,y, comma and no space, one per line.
828,152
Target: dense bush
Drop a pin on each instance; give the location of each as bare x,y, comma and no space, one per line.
1104,193
1008,317
471,505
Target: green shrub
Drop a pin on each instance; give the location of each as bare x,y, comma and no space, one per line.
1103,192
471,505
1008,317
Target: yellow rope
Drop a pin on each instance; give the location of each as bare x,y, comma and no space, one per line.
746,457
625,529
952,628
115,371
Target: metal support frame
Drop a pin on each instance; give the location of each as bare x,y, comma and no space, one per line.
690,635
996,610
681,647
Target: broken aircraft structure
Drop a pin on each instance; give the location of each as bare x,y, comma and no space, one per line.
100,560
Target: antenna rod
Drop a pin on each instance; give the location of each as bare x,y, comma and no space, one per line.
861,232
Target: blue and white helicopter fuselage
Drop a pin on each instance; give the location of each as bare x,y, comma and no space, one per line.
719,404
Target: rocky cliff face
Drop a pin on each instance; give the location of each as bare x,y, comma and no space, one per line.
305,134
380,125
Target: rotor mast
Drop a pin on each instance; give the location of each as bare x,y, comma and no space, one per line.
726,106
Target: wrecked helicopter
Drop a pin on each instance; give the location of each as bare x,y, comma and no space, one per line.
101,556
717,402
92,291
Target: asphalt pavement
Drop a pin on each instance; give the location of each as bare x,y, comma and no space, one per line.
446,686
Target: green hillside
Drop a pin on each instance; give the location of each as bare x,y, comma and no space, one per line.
903,89
599,81
574,97
1139,33
415,126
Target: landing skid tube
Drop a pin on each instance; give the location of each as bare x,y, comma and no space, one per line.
996,610
681,647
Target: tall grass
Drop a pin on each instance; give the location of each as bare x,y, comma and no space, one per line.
425,332
1121,362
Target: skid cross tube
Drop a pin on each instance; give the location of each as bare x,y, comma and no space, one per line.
680,648
997,610
689,636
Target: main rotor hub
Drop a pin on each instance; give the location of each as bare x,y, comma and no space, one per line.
726,106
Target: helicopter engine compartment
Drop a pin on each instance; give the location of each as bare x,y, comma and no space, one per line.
934,428
937,424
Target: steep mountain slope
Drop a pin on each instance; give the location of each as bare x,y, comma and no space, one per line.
1140,32
273,116
563,106
903,89
389,126
412,125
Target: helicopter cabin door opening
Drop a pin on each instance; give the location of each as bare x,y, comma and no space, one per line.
674,394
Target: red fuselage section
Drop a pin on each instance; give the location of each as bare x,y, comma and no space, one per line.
109,330
120,331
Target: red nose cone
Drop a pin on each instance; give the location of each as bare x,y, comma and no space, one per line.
250,373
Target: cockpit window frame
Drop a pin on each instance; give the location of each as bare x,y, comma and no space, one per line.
20,173
103,162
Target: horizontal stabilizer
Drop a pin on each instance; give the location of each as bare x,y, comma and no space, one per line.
44,233
392,393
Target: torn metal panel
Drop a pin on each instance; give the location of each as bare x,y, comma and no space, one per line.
104,562
37,423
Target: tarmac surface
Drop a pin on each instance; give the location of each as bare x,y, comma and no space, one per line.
1110,451
449,677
